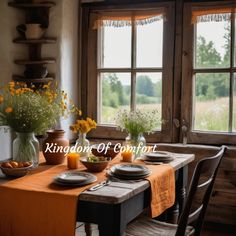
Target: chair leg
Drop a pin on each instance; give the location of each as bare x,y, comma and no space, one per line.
87,228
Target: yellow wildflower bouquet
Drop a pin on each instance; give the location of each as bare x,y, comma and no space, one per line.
26,109
83,126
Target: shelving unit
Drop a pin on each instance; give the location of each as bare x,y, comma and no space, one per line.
19,78
32,5
35,41
43,61
35,13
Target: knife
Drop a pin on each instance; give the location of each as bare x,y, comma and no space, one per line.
99,185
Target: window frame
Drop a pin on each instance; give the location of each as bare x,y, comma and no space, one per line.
89,82
188,71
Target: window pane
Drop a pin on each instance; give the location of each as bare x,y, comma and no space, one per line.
149,44
115,49
149,91
115,89
211,102
212,44
234,105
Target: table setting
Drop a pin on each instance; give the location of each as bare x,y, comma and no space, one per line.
57,180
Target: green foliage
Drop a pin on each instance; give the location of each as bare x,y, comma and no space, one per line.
26,109
210,86
113,92
32,112
143,99
145,86
206,54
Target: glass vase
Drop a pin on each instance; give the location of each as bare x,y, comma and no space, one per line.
26,148
82,145
136,142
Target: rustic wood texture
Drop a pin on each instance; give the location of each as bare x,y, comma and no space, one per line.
42,61
188,72
35,41
177,69
118,192
222,205
35,13
208,230
19,78
90,85
32,5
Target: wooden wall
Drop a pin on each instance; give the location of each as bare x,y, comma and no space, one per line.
222,206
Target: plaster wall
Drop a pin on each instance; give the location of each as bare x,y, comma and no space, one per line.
64,26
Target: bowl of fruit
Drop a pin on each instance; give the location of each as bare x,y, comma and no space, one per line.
16,169
94,163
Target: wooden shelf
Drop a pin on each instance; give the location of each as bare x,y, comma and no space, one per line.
19,78
38,62
32,5
35,41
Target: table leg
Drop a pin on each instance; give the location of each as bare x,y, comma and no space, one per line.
113,218
172,214
181,187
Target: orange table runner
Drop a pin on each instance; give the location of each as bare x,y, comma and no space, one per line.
32,205
162,183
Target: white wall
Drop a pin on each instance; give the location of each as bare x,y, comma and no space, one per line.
64,26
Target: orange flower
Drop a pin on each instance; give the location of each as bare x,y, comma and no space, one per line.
1,99
91,123
8,110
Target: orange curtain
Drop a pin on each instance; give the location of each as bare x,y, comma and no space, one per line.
213,14
121,19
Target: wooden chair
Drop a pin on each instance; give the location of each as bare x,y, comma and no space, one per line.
202,183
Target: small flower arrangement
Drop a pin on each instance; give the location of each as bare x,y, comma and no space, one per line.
137,122
83,126
26,109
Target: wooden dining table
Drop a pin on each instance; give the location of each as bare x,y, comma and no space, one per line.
115,205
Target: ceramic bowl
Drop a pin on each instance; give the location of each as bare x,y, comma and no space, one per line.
112,151
16,172
94,166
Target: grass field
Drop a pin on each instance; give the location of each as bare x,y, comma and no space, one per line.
210,115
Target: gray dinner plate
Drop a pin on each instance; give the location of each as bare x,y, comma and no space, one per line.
128,177
158,156
130,169
75,177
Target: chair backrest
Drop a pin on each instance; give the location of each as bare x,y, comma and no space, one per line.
200,191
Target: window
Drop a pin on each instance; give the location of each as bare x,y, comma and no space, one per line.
210,42
130,66
183,64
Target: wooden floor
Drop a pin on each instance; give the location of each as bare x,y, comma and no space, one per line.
208,230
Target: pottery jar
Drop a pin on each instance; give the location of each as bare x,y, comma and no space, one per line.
55,147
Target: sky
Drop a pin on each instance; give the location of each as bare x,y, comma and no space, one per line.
117,45
213,31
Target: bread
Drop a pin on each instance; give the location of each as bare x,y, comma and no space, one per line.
14,164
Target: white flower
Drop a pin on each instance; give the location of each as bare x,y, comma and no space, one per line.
136,122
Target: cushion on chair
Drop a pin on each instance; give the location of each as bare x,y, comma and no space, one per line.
144,226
